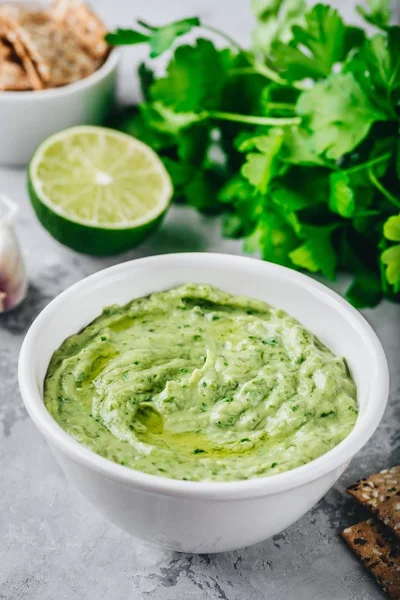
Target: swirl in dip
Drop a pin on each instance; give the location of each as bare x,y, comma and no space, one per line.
196,384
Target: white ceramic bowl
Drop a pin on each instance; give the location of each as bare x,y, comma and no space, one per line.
27,118
205,516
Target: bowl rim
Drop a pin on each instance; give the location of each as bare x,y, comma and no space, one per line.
109,65
336,458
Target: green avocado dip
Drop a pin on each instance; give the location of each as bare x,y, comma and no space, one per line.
196,384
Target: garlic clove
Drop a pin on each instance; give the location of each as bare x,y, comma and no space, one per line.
13,280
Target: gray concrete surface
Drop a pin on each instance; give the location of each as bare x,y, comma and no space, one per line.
53,545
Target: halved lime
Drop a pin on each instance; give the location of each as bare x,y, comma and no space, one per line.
97,190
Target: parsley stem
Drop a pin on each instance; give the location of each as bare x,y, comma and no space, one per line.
269,73
369,163
270,105
265,71
243,71
224,35
279,106
146,25
227,116
255,71
259,68
382,189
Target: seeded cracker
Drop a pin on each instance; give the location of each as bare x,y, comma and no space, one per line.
378,555
13,76
7,32
380,493
88,28
55,52
4,50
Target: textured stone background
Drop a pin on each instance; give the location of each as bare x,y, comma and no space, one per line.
53,545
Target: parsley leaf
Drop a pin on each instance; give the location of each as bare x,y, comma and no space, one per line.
391,229
391,259
146,78
275,19
338,114
365,290
315,47
294,140
194,80
236,189
160,39
122,37
297,147
180,173
273,238
378,14
298,191
136,122
232,226
259,168
398,159
193,143
165,120
246,202
376,67
317,253
202,191
391,256
341,199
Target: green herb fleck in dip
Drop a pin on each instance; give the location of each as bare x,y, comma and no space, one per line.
197,384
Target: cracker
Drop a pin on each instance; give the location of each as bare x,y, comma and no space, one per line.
12,74
85,25
55,52
377,554
380,493
5,50
7,31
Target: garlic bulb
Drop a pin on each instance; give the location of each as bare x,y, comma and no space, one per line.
13,281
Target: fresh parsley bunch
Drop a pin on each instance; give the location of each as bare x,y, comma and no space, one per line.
296,141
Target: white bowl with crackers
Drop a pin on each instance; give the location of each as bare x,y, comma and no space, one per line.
56,71
205,516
